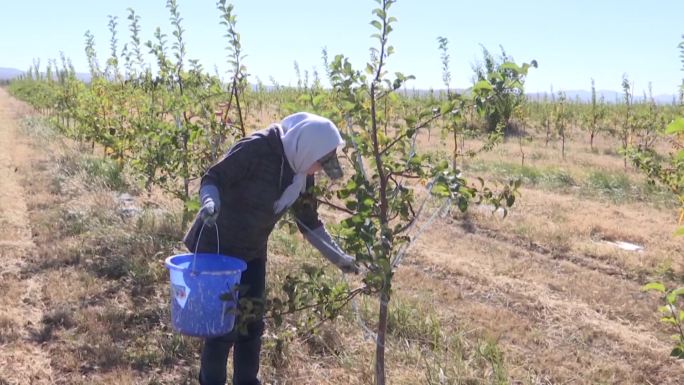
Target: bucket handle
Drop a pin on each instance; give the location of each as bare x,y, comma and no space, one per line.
218,246
233,289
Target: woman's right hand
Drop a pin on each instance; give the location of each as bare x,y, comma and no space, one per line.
208,213
211,203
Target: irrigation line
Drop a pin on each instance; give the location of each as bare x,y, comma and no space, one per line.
442,209
367,332
359,160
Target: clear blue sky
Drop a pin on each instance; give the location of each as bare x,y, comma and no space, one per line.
573,40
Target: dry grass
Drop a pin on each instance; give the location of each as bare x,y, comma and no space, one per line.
96,276
537,298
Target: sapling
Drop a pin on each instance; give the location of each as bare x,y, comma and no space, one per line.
672,313
112,71
238,70
546,116
521,114
91,55
560,119
381,195
454,119
627,128
136,49
596,116
504,80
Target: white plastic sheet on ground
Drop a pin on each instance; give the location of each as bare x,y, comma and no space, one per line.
625,245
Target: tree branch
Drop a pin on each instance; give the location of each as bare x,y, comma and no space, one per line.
402,136
350,295
336,207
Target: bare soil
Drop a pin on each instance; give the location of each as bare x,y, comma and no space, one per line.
23,359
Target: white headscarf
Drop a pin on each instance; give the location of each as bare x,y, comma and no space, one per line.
306,139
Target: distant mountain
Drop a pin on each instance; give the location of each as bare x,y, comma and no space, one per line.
583,96
608,96
572,95
9,73
83,77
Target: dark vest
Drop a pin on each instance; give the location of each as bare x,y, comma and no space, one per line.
250,178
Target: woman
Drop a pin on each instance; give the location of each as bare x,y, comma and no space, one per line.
245,194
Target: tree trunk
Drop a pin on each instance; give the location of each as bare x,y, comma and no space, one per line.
625,142
186,199
185,169
455,155
563,145
463,147
548,134
380,343
239,110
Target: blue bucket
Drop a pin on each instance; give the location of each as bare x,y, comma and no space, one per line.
198,283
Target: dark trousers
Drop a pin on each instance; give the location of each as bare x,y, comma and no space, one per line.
246,347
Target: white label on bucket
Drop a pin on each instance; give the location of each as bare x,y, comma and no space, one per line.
179,289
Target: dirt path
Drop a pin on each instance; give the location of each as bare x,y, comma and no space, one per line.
23,360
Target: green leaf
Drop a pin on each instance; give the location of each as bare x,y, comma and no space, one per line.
318,99
442,165
681,315
510,200
384,265
193,205
483,85
672,296
510,66
446,107
676,127
680,231
657,286
351,185
376,24
677,352
440,190
462,204
517,183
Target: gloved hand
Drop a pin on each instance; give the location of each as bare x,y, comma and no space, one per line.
211,203
322,241
208,213
347,264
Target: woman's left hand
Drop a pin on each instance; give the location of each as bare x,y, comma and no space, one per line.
348,265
